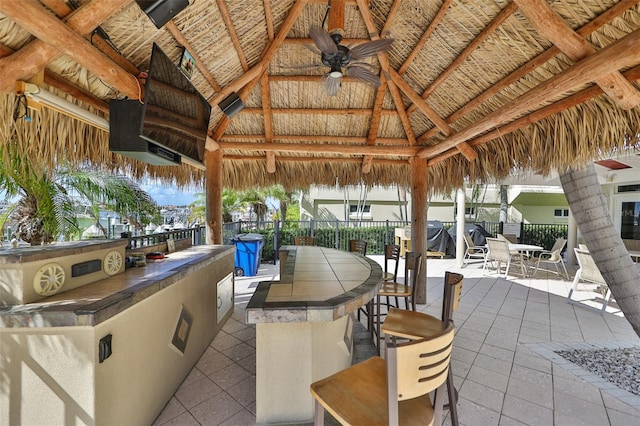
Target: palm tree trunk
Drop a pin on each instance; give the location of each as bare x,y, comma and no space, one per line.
589,207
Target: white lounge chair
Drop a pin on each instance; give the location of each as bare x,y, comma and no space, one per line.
589,273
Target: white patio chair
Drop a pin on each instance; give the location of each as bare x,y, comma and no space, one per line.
472,251
553,256
589,273
499,253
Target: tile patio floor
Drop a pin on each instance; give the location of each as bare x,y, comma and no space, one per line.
504,364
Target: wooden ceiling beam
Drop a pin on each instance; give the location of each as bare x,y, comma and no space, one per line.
552,27
80,94
268,121
381,161
222,7
387,69
54,80
374,124
59,7
505,13
400,151
180,38
620,54
336,15
252,76
61,38
395,6
392,142
268,17
346,2
569,102
320,111
396,78
541,59
425,37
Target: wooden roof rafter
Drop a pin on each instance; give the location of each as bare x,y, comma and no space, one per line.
374,124
425,37
181,39
62,38
249,79
549,110
399,80
620,54
551,26
222,7
531,65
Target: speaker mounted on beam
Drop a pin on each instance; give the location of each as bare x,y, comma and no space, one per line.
161,11
231,105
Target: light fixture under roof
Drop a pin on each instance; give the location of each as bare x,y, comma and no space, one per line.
56,103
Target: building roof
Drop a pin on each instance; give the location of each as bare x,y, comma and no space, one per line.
476,88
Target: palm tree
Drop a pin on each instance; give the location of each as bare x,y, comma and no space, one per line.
589,207
46,207
232,201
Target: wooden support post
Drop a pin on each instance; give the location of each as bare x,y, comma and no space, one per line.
213,189
419,191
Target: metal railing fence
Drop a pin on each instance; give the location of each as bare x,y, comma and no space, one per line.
337,233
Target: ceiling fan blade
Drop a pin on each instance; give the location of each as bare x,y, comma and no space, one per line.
332,85
323,40
363,74
312,48
370,48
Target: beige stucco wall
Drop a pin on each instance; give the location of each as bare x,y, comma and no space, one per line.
291,356
52,375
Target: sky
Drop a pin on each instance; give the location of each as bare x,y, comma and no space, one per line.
169,195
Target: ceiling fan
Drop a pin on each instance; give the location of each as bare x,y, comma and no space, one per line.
343,60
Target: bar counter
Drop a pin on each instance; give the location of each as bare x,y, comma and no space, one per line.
304,326
95,303
111,351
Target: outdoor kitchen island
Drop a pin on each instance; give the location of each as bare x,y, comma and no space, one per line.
115,346
304,326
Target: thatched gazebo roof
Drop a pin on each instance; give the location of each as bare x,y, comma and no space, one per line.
477,88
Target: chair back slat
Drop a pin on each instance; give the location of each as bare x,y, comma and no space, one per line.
588,269
412,264
452,292
498,249
304,241
421,365
469,243
392,254
556,250
358,246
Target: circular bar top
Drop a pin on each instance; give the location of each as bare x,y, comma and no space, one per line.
316,284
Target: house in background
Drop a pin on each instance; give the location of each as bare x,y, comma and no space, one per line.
531,199
529,204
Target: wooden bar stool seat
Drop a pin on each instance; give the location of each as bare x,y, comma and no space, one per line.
390,391
405,324
406,290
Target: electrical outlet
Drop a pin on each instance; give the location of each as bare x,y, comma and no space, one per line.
104,348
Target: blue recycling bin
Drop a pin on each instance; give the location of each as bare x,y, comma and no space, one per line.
248,254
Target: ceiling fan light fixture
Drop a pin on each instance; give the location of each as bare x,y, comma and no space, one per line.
335,74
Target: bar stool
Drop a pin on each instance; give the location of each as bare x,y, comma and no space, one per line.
406,290
358,246
410,325
391,254
304,241
390,391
